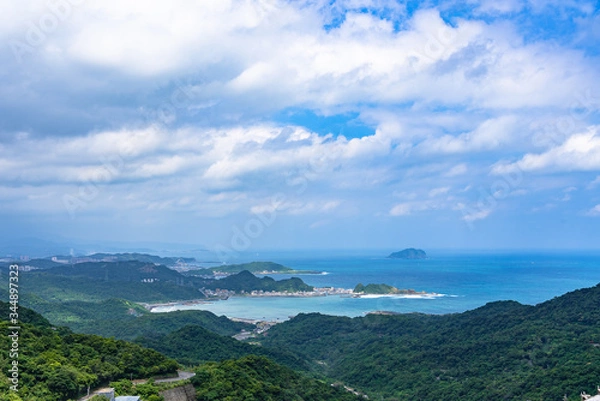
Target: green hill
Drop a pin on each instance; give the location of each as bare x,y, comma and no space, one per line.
257,378
58,288
37,263
503,350
192,345
126,320
257,268
128,271
96,281
141,257
247,282
57,365
376,289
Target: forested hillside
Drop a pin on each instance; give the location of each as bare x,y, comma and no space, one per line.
247,282
132,280
192,345
257,378
126,320
56,364
503,350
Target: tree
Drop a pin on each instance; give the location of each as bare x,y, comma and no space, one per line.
63,382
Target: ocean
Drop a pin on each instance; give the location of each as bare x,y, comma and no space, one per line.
464,280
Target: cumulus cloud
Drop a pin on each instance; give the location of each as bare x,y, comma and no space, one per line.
579,152
489,135
410,208
201,107
251,57
457,170
471,216
235,165
595,211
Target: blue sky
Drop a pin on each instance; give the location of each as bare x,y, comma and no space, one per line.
242,125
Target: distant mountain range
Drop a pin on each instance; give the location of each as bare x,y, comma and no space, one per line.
258,268
134,280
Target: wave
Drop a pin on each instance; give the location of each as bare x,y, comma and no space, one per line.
404,296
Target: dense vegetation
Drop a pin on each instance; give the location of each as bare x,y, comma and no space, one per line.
382,289
252,267
128,271
47,263
503,350
56,364
37,263
141,257
256,268
54,288
257,378
192,345
126,320
247,282
135,281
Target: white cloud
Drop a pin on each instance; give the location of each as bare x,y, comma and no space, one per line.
104,122
280,53
594,183
409,208
489,135
500,7
457,170
402,209
580,152
472,215
438,191
193,164
595,211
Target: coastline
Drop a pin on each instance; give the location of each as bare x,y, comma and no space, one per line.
322,292
191,302
427,295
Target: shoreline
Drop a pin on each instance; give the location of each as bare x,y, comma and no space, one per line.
421,295
190,302
317,292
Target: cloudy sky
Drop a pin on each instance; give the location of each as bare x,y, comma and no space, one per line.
253,124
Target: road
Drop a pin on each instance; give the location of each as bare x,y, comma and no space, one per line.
181,375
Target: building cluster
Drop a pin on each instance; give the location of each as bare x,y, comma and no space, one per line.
218,293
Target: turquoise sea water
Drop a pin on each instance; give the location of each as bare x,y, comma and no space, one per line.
467,281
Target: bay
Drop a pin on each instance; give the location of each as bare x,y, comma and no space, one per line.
465,280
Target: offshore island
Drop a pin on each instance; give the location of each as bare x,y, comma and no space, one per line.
408,253
376,290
